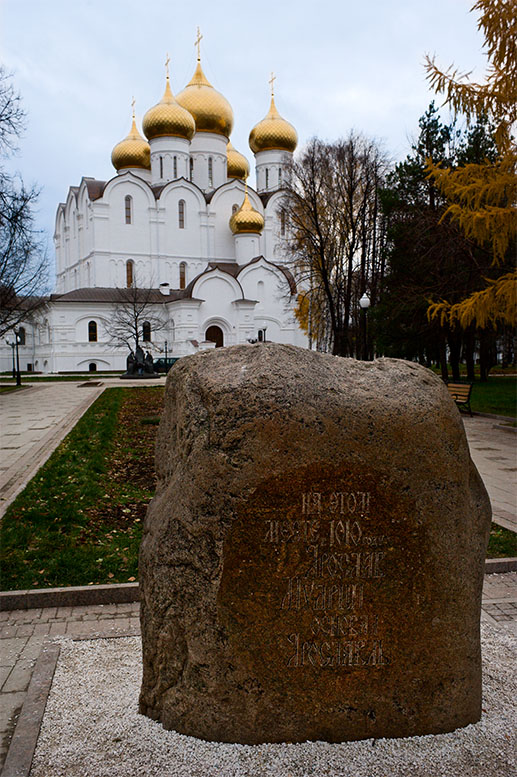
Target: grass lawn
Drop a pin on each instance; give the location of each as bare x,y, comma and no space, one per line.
79,520
497,395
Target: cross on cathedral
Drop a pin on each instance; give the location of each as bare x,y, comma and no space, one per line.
197,43
272,84
133,103
168,59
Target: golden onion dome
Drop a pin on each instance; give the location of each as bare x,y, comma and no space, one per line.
133,151
167,118
246,219
273,132
238,166
211,111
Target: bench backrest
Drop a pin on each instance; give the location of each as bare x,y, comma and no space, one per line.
460,391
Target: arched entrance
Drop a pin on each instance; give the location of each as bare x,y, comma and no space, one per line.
214,334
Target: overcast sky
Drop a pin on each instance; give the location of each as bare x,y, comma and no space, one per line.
339,65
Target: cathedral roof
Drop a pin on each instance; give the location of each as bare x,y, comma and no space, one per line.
273,132
168,119
211,111
133,151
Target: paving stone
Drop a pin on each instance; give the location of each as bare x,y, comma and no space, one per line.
25,630
11,647
58,629
19,677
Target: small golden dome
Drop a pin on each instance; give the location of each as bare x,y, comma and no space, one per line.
133,151
273,132
246,219
167,118
238,166
211,111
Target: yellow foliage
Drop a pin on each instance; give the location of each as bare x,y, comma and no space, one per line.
495,304
481,197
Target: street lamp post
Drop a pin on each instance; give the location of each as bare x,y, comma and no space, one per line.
18,375
364,304
166,354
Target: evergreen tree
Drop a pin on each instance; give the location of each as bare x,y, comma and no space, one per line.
481,192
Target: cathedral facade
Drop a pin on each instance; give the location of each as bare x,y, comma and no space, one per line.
178,221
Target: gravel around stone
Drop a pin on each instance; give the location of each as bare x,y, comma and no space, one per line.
91,728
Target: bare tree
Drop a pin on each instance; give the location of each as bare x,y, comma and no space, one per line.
23,260
334,235
134,319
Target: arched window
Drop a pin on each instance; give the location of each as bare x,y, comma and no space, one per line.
21,335
191,168
92,331
175,167
260,291
181,214
279,176
161,167
130,273
92,367
235,208
183,275
146,331
210,171
267,178
282,222
128,205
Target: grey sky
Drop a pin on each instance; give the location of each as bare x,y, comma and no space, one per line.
340,65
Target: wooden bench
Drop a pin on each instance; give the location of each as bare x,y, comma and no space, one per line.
461,392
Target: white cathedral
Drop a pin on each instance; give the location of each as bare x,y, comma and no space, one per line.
179,219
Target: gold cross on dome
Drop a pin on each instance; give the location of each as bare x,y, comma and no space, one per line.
133,103
272,82
197,43
168,59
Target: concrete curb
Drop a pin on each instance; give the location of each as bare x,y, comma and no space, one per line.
116,593
122,593
25,738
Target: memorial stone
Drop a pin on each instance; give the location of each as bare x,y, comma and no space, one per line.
312,563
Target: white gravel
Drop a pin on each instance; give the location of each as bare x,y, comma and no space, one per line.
91,728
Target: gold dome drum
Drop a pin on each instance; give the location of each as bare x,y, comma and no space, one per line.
273,132
168,119
133,151
246,219
238,166
211,111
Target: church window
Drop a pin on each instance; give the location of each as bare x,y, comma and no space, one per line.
175,167
146,331
210,171
279,176
92,367
183,274
282,222
260,291
181,214
267,178
21,335
161,167
191,168
128,203
130,273
92,331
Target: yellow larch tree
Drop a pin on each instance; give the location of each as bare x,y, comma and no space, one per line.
482,197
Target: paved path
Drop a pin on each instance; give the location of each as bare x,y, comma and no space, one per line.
493,448
35,419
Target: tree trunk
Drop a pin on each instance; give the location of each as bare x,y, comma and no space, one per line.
469,344
486,354
443,358
454,340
